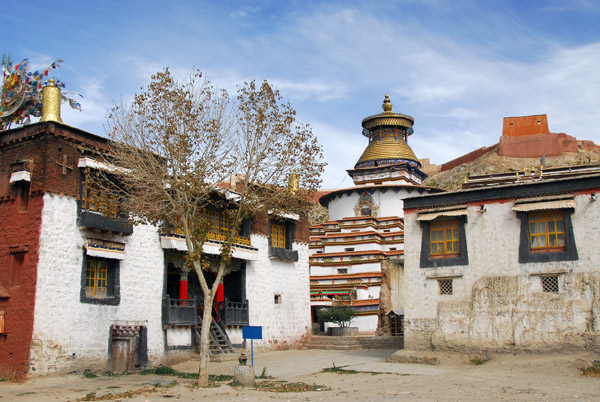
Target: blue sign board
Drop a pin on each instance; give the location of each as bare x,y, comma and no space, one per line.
252,333
249,332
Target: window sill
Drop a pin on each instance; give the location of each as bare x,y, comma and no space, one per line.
99,221
283,254
106,301
548,250
442,256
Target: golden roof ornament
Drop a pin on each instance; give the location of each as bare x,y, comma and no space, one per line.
51,102
387,133
387,105
294,182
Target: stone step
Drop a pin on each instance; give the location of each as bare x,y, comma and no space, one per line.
355,342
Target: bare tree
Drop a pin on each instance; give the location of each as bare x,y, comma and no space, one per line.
180,141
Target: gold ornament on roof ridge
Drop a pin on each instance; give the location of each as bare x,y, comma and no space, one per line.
51,102
388,118
387,105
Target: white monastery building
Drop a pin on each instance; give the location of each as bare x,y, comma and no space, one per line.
81,287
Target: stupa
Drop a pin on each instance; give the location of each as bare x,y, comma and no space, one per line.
357,256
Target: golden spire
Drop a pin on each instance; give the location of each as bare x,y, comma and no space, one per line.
51,102
387,105
294,182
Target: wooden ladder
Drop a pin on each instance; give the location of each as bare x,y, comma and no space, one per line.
219,341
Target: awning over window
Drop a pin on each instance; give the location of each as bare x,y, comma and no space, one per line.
175,242
330,292
434,215
544,205
284,215
98,250
87,162
21,175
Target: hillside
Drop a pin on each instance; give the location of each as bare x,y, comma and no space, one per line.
489,163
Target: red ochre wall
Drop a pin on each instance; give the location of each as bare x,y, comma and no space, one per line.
535,146
470,157
46,152
525,125
20,231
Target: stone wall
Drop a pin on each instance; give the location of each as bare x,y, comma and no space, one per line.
69,333
498,303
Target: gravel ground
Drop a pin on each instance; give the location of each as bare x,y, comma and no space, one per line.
503,378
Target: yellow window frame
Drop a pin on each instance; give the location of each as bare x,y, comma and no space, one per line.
95,199
547,231
96,278
277,235
444,239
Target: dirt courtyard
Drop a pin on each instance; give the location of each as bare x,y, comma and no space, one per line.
369,377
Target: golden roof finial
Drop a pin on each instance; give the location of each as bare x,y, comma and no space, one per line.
293,182
387,105
51,102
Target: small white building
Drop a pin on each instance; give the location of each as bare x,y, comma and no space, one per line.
505,266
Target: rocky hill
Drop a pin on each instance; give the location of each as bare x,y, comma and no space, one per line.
491,162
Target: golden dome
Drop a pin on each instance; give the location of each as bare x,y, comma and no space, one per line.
387,132
387,148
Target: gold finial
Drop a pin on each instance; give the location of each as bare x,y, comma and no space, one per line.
387,105
51,102
293,182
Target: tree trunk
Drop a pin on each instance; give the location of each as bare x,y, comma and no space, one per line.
205,341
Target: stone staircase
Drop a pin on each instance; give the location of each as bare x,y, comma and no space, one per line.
355,342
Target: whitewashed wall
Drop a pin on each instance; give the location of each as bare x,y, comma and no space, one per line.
498,303
389,202
68,333
284,324
365,323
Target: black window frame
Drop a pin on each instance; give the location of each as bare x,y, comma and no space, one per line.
98,220
526,255
427,261
113,288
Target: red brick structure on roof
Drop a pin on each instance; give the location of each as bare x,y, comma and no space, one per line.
527,137
525,125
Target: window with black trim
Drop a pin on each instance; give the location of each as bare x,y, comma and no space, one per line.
22,195
100,281
444,242
100,206
546,236
95,198
281,237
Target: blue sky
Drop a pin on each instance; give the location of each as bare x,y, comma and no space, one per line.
457,67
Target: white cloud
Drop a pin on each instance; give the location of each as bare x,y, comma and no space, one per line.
311,89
